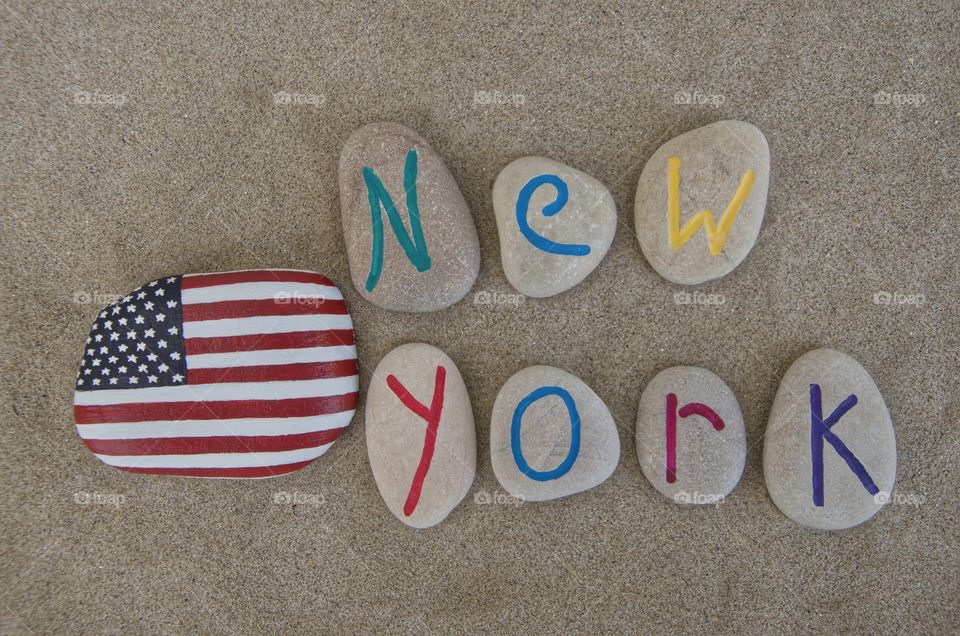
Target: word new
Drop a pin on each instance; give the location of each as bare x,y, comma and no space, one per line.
415,247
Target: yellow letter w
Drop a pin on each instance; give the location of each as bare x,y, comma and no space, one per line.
716,237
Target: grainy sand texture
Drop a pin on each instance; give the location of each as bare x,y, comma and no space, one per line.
144,139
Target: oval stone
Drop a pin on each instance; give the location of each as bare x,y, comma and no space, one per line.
410,238
830,453
238,374
691,441
701,199
551,435
555,223
420,434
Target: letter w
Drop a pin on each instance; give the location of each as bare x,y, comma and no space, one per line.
416,247
716,237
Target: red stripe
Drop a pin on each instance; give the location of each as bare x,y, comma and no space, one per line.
253,276
274,372
216,444
256,342
230,409
249,471
264,307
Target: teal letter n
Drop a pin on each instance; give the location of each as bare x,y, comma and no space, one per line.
414,247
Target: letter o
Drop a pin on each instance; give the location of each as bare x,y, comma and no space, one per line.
572,453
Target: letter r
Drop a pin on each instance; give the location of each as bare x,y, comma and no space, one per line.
693,408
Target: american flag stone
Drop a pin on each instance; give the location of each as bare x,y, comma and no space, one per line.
240,374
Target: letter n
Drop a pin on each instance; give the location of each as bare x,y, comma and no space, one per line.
415,246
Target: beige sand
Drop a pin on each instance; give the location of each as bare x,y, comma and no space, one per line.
185,163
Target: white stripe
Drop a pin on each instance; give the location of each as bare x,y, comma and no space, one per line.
215,460
265,324
280,390
244,271
270,356
289,292
213,428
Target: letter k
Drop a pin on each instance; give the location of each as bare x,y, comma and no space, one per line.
819,431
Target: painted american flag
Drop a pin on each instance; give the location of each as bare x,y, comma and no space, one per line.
239,374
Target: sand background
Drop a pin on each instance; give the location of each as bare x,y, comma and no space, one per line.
200,170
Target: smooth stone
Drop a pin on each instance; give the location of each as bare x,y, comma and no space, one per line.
450,250
546,436
397,437
588,220
209,375
865,429
709,462
713,160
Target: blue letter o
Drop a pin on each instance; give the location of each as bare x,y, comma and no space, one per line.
572,453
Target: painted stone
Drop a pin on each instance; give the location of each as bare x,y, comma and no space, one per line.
410,239
420,434
701,199
551,435
830,453
555,224
238,374
691,441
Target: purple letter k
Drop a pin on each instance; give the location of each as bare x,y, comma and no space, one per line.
819,431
